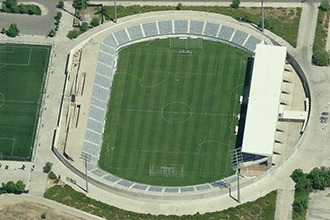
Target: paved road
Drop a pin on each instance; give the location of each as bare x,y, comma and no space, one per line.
30,24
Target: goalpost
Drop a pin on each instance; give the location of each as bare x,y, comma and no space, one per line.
186,43
166,170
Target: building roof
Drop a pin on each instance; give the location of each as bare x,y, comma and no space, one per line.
264,100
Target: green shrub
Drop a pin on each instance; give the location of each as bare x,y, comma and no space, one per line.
235,4
179,6
52,175
48,167
52,33
84,26
11,187
79,4
12,31
73,34
324,5
58,16
60,4
95,22
320,58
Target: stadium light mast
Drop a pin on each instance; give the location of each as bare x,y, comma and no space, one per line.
237,164
87,158
262,16
115,11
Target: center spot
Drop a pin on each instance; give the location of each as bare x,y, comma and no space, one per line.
176,112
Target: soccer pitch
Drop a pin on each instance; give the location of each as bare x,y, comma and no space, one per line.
172,112
22,72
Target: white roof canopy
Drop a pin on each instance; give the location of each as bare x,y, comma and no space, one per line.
264,100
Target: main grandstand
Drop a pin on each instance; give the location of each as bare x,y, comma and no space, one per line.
80,129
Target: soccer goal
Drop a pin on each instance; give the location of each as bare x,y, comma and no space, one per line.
166,170
186,43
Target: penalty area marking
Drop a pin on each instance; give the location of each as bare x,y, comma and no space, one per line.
13,145
2,99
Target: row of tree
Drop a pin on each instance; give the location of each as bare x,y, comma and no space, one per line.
317,179
321,57
10,6
11,187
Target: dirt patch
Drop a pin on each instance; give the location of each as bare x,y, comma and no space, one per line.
13,210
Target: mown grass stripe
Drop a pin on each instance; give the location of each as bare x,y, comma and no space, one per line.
198,80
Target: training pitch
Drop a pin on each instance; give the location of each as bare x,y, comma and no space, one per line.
22,72
172,112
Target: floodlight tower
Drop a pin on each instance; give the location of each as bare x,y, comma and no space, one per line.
115,5
237,164
87,158
262,16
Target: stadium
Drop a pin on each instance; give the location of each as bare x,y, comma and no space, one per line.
117,87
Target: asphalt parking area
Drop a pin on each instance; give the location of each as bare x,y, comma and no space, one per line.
30,24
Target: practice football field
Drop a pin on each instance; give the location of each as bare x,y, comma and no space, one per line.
22,72
172,112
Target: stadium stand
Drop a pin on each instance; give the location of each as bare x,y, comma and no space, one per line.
211,29
135,32
102,81
165,27
150,29
121,37
239,37
110,41
196,27
107,49
181,26
226,33
251,43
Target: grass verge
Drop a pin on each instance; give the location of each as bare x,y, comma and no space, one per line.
283,22
321,31
262,208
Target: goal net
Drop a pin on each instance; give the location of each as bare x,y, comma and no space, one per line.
186,43
166,170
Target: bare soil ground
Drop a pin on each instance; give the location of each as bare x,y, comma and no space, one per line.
16,209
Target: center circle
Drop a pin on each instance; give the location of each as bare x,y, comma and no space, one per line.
176,112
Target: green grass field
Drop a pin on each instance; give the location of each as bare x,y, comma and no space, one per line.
22,72
171,116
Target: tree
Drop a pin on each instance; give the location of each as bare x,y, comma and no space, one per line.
95,22
58,16
10,4
52,33
48,167
235,4
324,5
60,4
10,187
297,175
320,58
179,6
79,4
319,178
19,187
12,31
84,26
